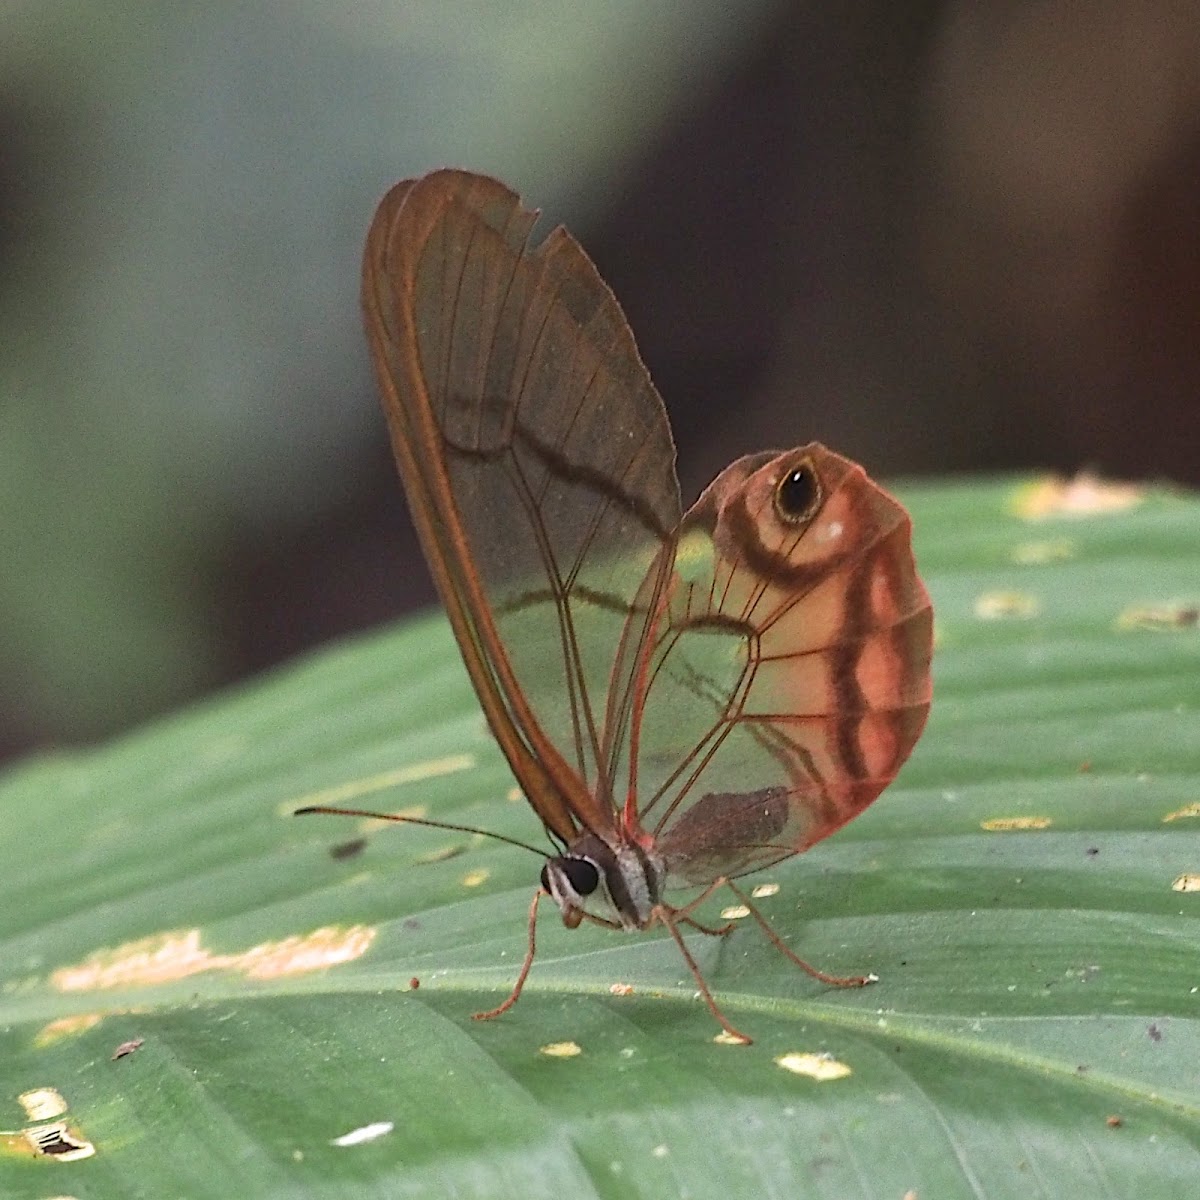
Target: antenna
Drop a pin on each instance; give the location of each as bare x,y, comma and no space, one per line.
382,816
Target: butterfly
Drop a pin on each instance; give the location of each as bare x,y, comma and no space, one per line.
684,697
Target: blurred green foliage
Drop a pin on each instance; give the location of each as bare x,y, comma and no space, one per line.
187,189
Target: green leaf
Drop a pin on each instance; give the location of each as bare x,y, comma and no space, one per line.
1034,1030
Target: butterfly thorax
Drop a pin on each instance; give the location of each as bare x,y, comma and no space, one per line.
614,881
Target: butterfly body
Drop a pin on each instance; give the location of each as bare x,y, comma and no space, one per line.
684,697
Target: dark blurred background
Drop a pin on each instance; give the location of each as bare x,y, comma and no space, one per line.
939,237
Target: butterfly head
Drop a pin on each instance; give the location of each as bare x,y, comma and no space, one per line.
618,882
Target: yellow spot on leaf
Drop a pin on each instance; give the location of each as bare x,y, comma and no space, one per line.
65,1027
1033,554
821,1067
1188,810
1160,618
1009,824
364,1133
339,796
562,1050
729,1039
514,794
42,1104
735,912
414,812
164,958
1086,495
473,879
1188,882
441,854
1006,606
762,890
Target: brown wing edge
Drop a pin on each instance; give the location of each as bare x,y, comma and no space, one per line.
402,224
409,216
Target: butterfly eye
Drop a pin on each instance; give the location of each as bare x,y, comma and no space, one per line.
797,494
582,873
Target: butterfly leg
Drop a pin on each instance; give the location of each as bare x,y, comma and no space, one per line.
595,920
684,914
668,919
711,930
843,981
529,953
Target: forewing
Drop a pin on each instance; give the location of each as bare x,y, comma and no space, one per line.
787,676
537,460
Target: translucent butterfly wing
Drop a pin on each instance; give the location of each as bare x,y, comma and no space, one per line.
537,460
787,678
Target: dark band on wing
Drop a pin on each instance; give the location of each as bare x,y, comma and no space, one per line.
845,654
578,591
562,467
